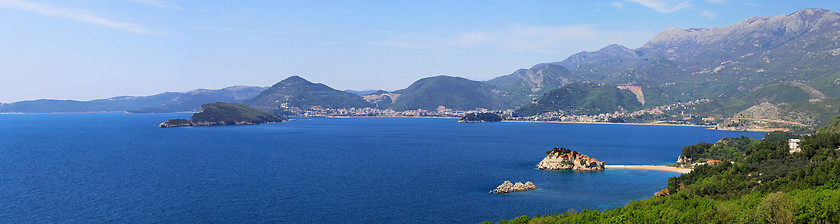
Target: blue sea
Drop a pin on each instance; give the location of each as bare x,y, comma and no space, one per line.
118,168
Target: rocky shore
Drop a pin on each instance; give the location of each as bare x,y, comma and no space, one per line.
177,123
565,159
480,117
508,187
662,193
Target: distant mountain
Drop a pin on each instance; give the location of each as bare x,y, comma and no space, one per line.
707,63
451,92
581,98
164,102
122,103
789,61
298,92
192,100
381,98
614,55
784,60
523,85
361,92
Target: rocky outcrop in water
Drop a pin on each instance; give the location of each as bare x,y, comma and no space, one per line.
508,187
565,159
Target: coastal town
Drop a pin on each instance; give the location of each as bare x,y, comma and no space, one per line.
676,113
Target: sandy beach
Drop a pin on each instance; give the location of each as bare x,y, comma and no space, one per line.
650,167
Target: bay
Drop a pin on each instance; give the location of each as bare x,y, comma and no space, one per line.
113,167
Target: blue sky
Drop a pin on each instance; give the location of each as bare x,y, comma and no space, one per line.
89,49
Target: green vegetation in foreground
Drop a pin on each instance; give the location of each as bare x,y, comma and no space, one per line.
759,182
481,117
224,114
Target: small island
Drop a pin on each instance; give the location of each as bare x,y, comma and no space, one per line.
480,117
566,159
508,187
224,114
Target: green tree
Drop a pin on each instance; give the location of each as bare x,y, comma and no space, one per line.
776,208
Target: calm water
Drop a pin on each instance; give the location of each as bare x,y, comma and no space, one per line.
121,168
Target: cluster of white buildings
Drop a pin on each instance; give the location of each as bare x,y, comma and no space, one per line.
441,111
564,117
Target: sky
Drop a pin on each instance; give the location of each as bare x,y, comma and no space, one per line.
93,49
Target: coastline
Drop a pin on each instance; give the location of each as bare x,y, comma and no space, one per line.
561,122
710,127
650,167
99,112
388,116
589,122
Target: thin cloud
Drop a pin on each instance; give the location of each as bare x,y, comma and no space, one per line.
473,38
396,44
521,38
331,43
158,3
663,6
225,29
540,38
51,10
708,14
619,5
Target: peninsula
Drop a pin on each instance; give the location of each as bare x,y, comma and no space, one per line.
566,159
224,114
480,117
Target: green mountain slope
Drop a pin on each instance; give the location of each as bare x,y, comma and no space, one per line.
785,60
298,92
450,92
579,98
524,85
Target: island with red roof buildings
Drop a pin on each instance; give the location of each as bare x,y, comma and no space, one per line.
566,159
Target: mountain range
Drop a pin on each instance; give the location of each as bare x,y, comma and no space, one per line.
159,103
789,61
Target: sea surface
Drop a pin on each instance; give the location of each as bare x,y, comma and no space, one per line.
118,168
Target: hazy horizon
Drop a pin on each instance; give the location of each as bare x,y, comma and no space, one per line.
84,50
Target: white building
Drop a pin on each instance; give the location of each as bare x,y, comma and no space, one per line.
793,144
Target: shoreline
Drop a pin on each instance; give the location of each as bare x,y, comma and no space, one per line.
650,167
710,127
389,116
